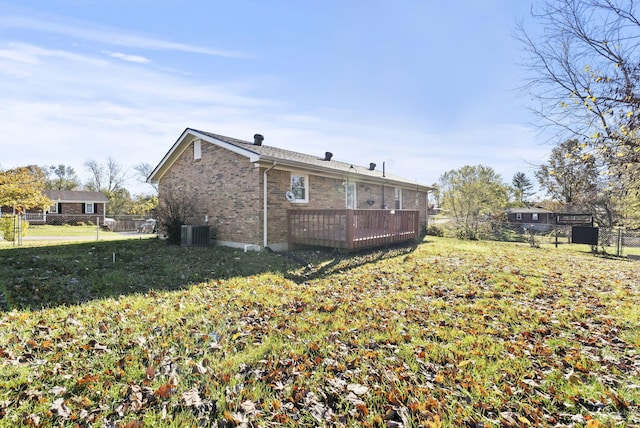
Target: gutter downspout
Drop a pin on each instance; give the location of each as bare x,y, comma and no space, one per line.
264,205
384,206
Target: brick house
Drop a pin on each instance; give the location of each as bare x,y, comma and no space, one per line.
534,218
68,207
262,196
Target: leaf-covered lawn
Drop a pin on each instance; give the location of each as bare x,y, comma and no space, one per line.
447,334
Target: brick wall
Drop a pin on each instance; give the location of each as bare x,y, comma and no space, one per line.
72,208
229,189
75,208
221,185
330,193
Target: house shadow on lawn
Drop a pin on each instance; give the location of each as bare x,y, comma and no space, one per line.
321,263
39,277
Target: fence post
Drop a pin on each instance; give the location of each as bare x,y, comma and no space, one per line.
619,243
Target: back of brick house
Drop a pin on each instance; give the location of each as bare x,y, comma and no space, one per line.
224,180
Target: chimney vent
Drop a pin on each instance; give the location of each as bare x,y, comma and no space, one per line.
372,166
327,156
257,140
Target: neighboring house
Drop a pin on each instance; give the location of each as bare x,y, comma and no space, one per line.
261,196
532,218
68,207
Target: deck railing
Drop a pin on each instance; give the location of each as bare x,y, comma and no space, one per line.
352,229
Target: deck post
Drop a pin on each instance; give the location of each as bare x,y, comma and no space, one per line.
350,231
392,225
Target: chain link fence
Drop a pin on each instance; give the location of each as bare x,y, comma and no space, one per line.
118,223
617,241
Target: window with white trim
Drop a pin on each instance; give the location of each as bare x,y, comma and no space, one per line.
518,216
53,208
197,149
534,216
300,188
351,195
398,198
88,208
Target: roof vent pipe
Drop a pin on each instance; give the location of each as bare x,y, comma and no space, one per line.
257,140
327,156
372,166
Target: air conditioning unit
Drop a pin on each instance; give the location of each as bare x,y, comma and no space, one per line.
195,236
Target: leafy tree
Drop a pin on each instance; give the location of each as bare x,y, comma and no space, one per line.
120,202
434,199
572,179
10,225
61,177
629,210
471,194
570,175
523,187
145,205
22,188
586,78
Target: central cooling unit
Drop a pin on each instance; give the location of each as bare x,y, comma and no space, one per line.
195,236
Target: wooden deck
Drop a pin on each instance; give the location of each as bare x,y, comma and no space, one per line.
349,230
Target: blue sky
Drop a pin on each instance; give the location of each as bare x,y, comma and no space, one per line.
425,86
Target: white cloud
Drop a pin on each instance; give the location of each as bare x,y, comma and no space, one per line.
17,56
129,58
67,107
109,36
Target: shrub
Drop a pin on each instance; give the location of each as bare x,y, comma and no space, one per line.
176,207
7,227
434,231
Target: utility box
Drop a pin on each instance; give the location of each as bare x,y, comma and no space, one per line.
195,236
584,235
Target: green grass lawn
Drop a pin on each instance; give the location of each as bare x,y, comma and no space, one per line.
45,235
446,334
65,230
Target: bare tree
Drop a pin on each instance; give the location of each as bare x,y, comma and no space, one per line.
176,207
97,172
144,170
106,178
586,77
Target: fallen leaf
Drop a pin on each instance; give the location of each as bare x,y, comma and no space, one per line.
357,389
59,408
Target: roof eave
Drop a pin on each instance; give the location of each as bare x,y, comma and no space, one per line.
338,173
179,147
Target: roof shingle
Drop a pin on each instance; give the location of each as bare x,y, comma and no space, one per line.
276,153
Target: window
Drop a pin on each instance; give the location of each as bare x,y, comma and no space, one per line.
299,188
351,195
398,198
534,216
518,216
88,208
53,208
197,149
